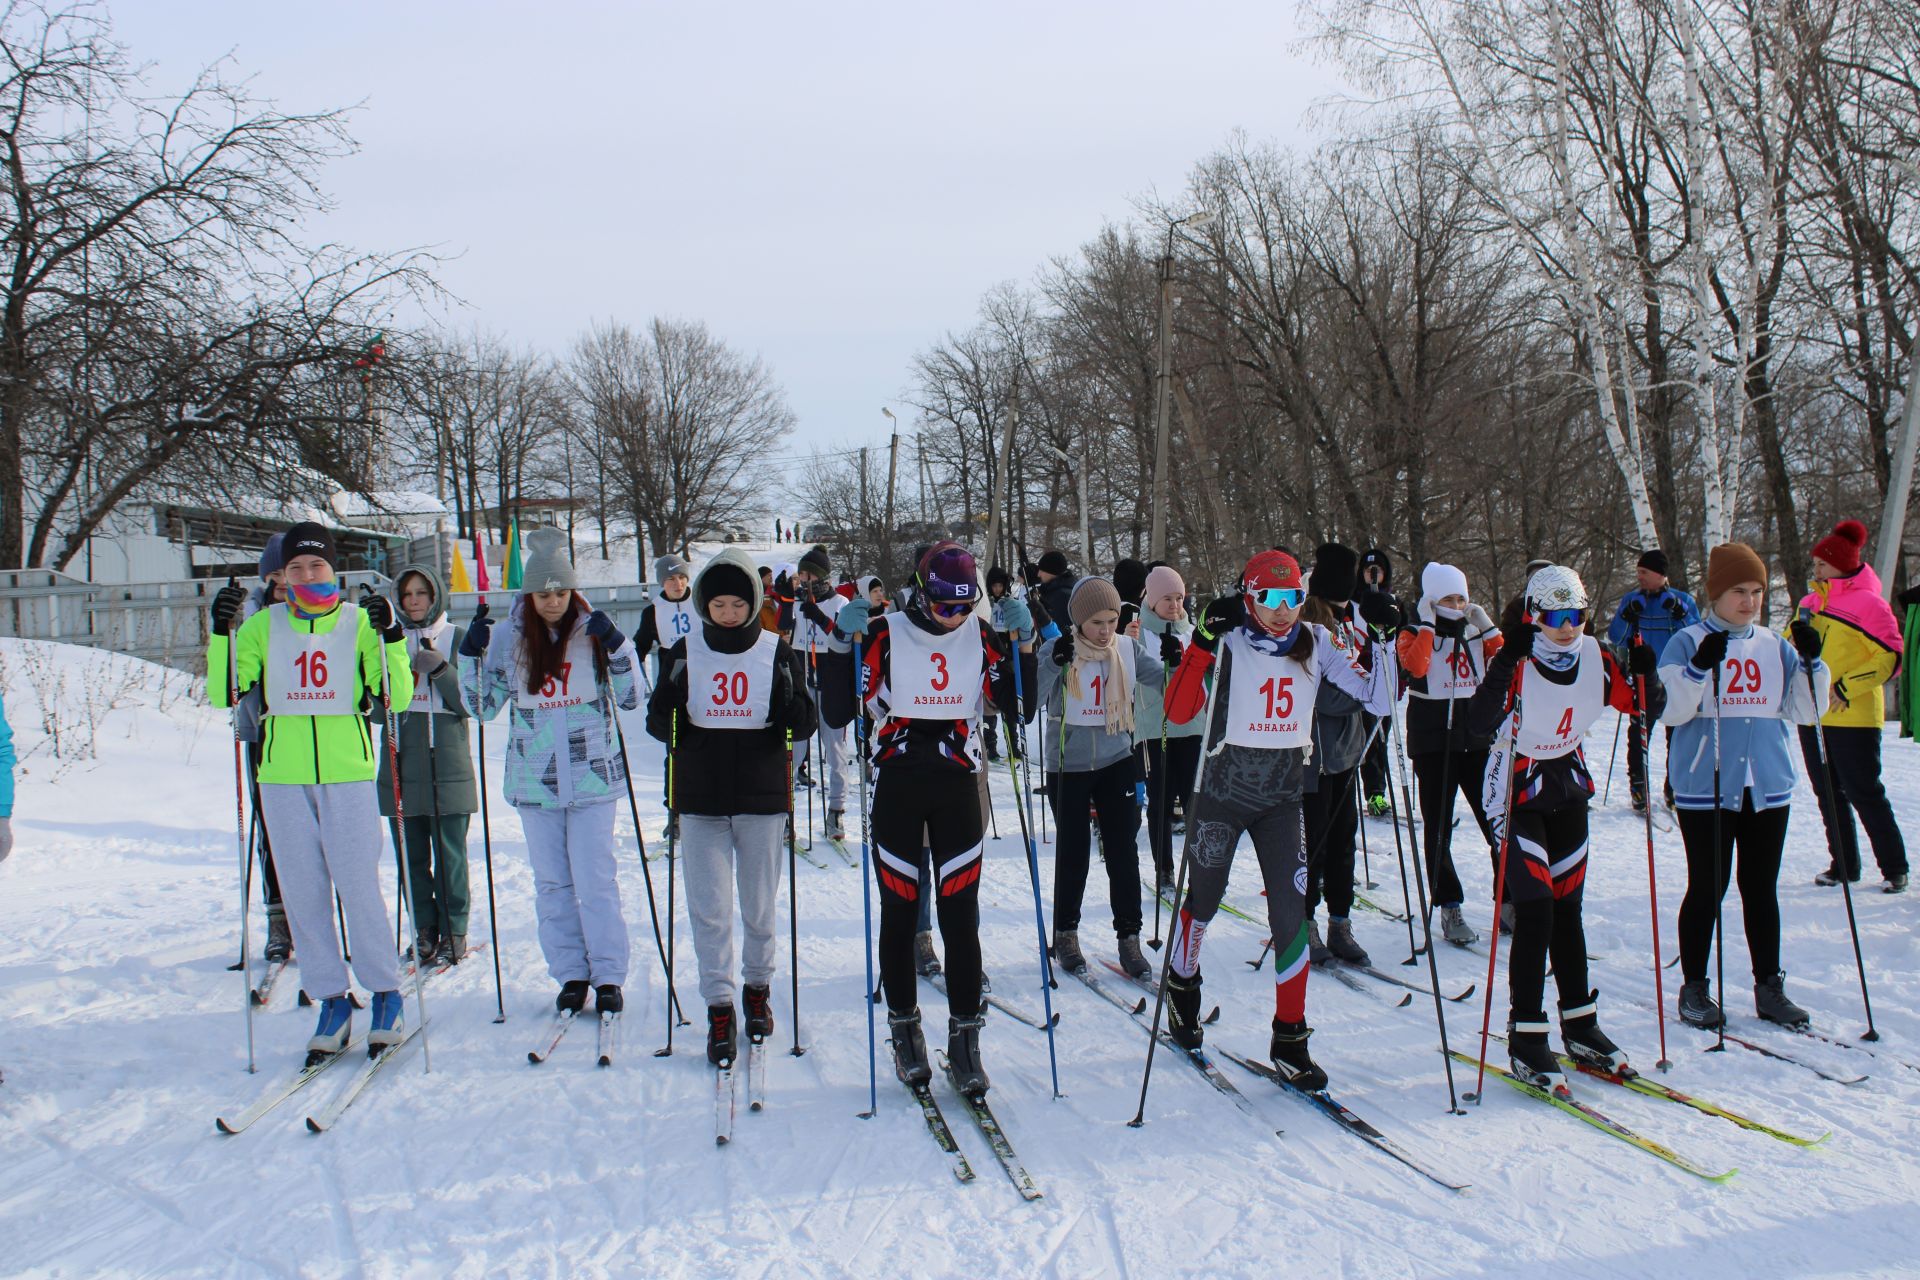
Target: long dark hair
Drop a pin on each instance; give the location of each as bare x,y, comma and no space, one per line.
543,653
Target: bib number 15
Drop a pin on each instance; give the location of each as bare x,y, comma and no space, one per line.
1279,696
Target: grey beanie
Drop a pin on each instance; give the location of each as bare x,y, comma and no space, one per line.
548,568
666,566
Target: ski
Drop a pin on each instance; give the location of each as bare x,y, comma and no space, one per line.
996,1137
1362,900
1383,976
1822,1038
329,1115
723,1105
609,1037
1199,1061
562,1023
1566,1102
806,856
1795,1059
1340,1115
1135,1007
942,1133
846,854
263,994
1152,988
1631,1079
939,983
756,1074
284,1089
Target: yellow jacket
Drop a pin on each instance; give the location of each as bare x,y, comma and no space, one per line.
1861,661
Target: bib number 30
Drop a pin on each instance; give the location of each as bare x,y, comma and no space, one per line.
730,689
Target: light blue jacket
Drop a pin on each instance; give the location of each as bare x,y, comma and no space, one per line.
6,762
1149,704
1755,754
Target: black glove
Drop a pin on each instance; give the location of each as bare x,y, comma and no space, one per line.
1517,641
226,607
1711,653
474,643
1380,611
1063,649
601,628
1451,628
1222,615
1633,610
782,688
1911,596
1675,609
379,611
814,615
1642,662
1806,638
1170,650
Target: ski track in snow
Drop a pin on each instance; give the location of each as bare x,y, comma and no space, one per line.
121,1038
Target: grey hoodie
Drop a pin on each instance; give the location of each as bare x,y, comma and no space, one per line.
446,775
1088,748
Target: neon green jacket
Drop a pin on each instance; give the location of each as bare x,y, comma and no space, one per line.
304,750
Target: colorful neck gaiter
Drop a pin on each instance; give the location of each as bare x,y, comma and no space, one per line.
313,599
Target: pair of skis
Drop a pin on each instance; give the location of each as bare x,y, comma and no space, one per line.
725,1092
990,1129
562,1022
372,1064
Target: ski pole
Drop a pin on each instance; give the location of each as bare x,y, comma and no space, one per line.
240,833
1420,877
1500,881
246,889
646,873
1179,892
1033,864
673,1001
1846,886
1405,810
793,905
866,874
1719,868
1612,757
486,845
1366,856
1653,886
399,824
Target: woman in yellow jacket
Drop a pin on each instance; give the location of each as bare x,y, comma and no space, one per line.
318,661
1860,642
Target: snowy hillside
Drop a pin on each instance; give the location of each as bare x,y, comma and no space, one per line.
121,1037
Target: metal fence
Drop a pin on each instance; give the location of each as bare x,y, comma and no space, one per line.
167,622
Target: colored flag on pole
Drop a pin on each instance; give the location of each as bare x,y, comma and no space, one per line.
513,555
460,580
480,562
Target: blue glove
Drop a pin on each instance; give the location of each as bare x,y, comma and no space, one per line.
601,628
1015,617
1051,631
852,618
474,643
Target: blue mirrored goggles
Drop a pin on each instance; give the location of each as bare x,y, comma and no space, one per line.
1563,618
1279,597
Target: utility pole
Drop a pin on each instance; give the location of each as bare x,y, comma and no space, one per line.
1893,517
866,517
893,468
1000,479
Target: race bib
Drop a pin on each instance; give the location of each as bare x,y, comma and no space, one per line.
673,619
311,674
730,690
571,686
1753,677
1270,701
1554,718
1088,707
934,677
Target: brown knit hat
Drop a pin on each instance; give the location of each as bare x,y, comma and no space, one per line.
1731,564
1090,596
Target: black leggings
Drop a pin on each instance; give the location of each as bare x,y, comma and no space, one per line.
942,806
1333,821
1466,771
1547,908
1110,792
1169,783
1760,835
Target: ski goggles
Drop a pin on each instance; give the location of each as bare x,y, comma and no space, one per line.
1552,618
949,608
1279,597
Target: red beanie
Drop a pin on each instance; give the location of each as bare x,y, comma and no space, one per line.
1270,569
1843,546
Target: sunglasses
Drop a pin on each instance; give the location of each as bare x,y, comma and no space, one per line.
1279,597
1563,618
950,609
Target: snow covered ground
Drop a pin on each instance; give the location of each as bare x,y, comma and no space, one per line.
121,1038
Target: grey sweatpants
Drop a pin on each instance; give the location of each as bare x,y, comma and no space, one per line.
326,840
577,892
835,773
720,852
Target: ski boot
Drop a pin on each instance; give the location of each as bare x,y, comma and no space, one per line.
759,1002
925,959
1317,951
1183,1010
608,998
803,779
279,936
1289,1053
1131,960
335,1028
1343,945
1531,1057
723,1045
453,949
1771,1003
1698,1008
1894,884
1584,1040
389,1022
963,1056
573,995
909,1049
1378,806
836,824
1066,951
1455,929
1506,918
1831,876
426,944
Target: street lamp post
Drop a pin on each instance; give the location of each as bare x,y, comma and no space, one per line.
1163,383
1080,474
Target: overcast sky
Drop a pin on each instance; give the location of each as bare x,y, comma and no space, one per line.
829,185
